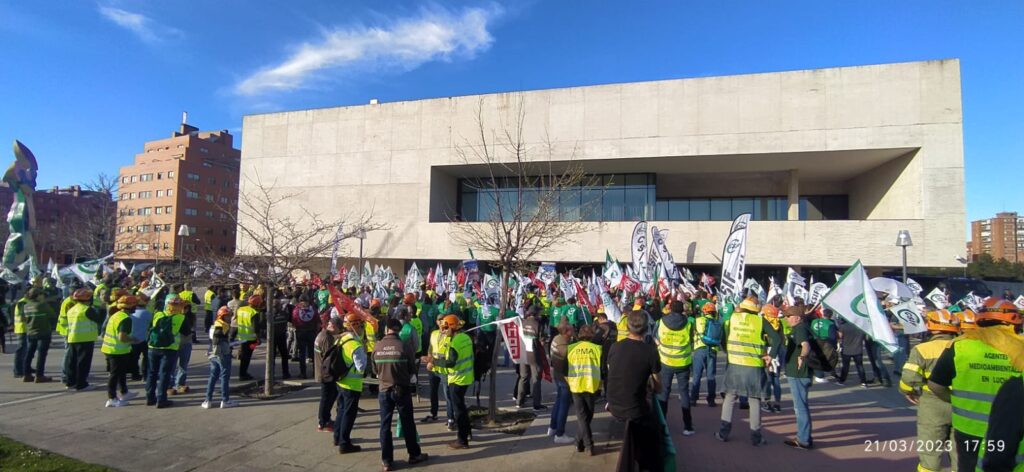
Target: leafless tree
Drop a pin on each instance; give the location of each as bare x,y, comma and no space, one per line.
276,239
520,186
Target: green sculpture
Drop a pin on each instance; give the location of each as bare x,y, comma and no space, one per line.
21,177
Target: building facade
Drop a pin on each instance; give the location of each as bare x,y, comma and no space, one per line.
91,214
1001,237
190,179
832,163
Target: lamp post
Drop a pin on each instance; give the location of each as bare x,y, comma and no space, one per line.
361,234
182,232
903,240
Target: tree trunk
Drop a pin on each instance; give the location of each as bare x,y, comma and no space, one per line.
492,381
268,378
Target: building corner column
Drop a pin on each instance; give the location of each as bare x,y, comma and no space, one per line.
794,195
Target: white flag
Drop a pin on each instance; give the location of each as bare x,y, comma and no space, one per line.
613,274
910,317
1019,302
938,298
755,287
639,249
914,286
972,301
734,255
793,281
155,284
88,271
610,308
773,289
854,299
817,291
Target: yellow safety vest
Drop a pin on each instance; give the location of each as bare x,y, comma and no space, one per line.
623,328
176,322
246,332
439,344
371,337
96,298
186,296
208,300
112,343
980,371
353,379
584,367
674,346
918,367
745,344
19,326
80,328
62,319
462,372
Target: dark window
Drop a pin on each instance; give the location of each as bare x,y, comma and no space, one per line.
700,210
721,210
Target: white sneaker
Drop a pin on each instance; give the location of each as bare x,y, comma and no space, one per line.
228,404
127,396
564,440
819,380
551,432
115,403
205,405
689,432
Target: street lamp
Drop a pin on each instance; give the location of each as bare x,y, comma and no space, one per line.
903,240
182,232
361,234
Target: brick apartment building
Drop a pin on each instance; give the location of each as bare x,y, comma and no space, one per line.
188,179
59,211
1002,237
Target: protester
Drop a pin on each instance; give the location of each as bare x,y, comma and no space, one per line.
141,321
530,371
824,330
934,417
584,379
322,347
117,339
881,372
187,337
633,368
776,366
307,325
605,334
247,321
83,321
439,343
707,340
674,337
459,362
559,370
799,374
350,384
219,355
1005,427
852,346
164,342
39,320
395,363
22,338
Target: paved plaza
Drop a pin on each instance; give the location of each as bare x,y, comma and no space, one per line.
279,435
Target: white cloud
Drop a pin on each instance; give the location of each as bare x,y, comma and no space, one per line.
143,26
434,35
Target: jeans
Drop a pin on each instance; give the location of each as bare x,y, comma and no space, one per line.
457,395
704,360
774,387
42,344
683,375
389,400
560,412
181,372
140,351
348,407
220,368
78,363
533,377
19,355
440,383
161,364
875,359
798,388
900,356
304,348
118,380
328,397
584,414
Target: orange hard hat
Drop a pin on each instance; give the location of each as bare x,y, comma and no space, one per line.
968,319
943,320
255,300
1000,310
770,311
82,295
127,301
452,321
353,318
223,311
708,308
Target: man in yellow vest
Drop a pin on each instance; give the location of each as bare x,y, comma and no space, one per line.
459,364
83,326
746,350
439,344
970,371
584,379
934,423
208,296
674,336
164,342
117,345
19,333
705,357
247,321
350,385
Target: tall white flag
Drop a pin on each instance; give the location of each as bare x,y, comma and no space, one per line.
854,299
639,248
734,255
909,315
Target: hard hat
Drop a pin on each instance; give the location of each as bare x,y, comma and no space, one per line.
708,308
127,301
749,306
942,320
82,295
770,311
452,321
116,294
968,319
353,318
223,311
255,300
375,303
999,310
174,299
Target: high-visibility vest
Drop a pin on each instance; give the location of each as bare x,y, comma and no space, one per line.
623,328
584,367
246,332
417,323
980,371
62,319
700,324
96,292
745,344
439,344
176,322
353,379
462,372
80,328
371,337
112,343
674,345
208,300
918,367
19,326
186,296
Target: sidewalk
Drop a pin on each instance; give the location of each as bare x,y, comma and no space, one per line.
280,434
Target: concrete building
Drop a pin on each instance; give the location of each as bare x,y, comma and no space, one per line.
188,179
832,162
1001,237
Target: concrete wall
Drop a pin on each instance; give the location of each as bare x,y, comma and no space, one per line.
381,156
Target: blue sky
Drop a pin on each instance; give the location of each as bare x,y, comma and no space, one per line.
84,84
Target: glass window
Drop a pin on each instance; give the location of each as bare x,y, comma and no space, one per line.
467,211
661,210
569,204
590,204
635,180
679,210
741,206
486,206
700,209
636,204
612,204
721,210
170,174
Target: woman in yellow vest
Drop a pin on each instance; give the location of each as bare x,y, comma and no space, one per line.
674,337
247,319
353,353
83,321
439,344
164,341
459,363
584,379
117,345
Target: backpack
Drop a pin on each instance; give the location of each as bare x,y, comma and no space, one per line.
162,335
304,318
821,327
824,355
334,366
712,335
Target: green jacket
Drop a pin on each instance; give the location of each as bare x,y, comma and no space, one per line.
39,317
